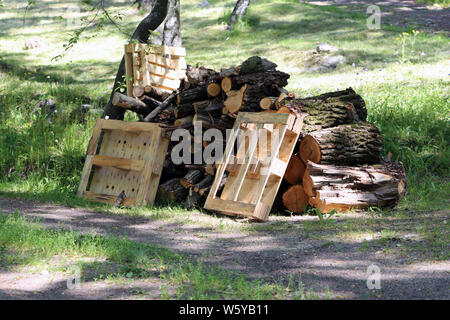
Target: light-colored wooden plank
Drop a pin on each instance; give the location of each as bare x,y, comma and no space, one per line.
237,184
157,170
129,72
262,117
274,162
129,126
104,198
93,143
145,177
120,163
229,207
162,72
85,175
172,51
161,81
225,159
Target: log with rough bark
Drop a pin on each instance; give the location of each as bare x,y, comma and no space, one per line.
191,178
256,64
133,104
184,110
270,79
203,185
165,104
191,95
172,190
156,93
253,96
349,144
330,109
295,199
342,188
200,76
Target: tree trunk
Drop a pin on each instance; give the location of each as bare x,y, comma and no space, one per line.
141,34
240,9
343,188
169,30
349,144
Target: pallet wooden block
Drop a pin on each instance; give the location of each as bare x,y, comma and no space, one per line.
127,158
255,165
154,65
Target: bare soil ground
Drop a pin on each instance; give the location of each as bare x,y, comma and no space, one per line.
330,259
402,13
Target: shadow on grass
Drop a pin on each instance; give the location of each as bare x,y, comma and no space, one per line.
312,253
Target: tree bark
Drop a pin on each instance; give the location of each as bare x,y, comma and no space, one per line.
350,144
330,109
343,188
169,30
240,9
172,190
141,34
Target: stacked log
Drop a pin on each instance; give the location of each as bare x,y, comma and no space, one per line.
338,164
213,99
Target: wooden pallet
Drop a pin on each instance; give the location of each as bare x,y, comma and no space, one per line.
255,169
153,65
123,157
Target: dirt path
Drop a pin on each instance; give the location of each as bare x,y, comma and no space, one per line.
403,13
331,263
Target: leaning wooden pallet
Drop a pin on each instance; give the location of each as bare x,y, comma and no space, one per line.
256,169
124,162
152,66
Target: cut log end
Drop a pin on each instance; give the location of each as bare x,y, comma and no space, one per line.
226,84
295,170
310,150
267,103
295,199
213,89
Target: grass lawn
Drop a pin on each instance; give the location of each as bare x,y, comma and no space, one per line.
25,244
402,75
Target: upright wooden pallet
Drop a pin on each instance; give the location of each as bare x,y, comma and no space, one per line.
256,156
128,159
153,65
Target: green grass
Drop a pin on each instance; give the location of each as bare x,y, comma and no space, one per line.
33,244
402,77
444,3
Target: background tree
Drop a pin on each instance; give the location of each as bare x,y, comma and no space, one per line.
239,11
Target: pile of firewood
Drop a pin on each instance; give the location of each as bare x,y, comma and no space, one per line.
330,167
338,164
